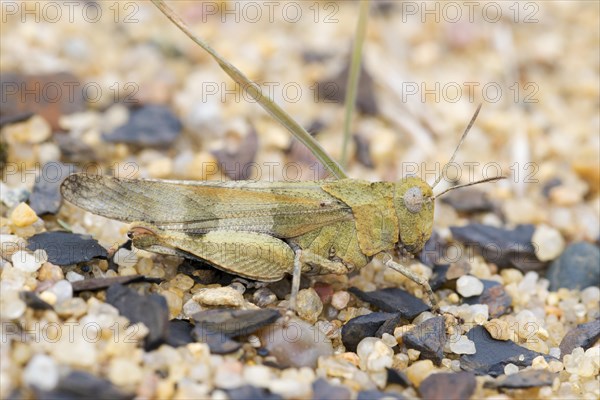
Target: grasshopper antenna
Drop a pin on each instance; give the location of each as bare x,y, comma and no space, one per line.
462,139
492,179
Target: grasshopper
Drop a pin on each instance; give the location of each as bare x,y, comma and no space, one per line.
265,230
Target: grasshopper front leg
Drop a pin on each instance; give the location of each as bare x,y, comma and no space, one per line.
296,275
407,272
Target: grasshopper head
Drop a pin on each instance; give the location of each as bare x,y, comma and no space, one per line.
143,237
147,237
413,201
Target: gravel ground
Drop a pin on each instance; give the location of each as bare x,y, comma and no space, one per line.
116,89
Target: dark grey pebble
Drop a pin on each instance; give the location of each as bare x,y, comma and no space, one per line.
439,278
492,355
448,386
363,155
82,385
218,342
396,377
583,335
247,392
234,323
577,267
180,333
218,327
323,390
45,197
237,164
523,380
149,125
394,300
368,325
333,90
429,337
377,395
150,309
66,248
503,247
103,283
11,197
494,295
433,253
468,200
33,301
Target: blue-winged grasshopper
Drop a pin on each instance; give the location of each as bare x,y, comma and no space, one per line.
265,230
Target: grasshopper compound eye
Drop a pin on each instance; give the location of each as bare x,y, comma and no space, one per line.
413,199
138,231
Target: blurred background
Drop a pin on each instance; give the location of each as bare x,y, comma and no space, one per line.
114,87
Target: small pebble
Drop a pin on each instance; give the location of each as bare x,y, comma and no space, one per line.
41,373
324,290
340,299
191,307
222,296
419,370
498,329
239,286
161,168
10,244
548,243
374,354
289,388
468,286
576,268
48,297
11,197
23,215
263,297
124,371
62,290
11,306
73,307
539,363
389,340
73,276
296,343
510,369
554,352
174,302
50,272
511,275
555,366
462,346
309,305
441,386
228,374
25,261
182,282
591,296
257,375
125,258
413,355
